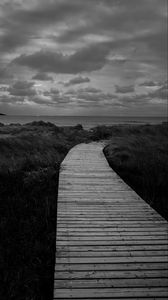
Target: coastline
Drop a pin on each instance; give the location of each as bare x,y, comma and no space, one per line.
86,122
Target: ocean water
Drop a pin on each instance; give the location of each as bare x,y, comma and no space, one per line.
85,121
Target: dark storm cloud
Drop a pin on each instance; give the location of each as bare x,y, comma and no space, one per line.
90,58
50,12
138,24
113,16
124,89
126,37
22,88
12,40
42,77
25,23
119,21
76,80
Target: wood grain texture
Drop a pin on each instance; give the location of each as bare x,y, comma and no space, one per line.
110,243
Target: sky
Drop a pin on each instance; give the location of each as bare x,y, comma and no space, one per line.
83,57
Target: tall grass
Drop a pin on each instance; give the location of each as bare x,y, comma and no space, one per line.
141,159
30,157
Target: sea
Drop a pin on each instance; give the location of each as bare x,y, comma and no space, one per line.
86,121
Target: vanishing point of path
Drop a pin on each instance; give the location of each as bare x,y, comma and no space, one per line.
110,243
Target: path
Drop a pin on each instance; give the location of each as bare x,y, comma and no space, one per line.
110,243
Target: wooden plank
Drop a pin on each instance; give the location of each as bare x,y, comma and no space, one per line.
112,266
101,293
106,226
111,253
112,248
86,219
113,231
111,238
83,239
110,243
102,235
105,260
112,274
109,283
106,211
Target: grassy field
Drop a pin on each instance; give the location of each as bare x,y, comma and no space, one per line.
30,156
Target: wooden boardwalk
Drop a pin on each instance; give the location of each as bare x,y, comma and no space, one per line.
110,243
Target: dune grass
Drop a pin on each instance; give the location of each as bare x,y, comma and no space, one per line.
140,157
30,157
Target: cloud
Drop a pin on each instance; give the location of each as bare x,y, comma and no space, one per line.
53,97
26,20
92,95
22,93
161,92
8,99
141,100
42,77
22,88
5,75
90,90
158,96
13,101
118,59
140,28
116,41
124,89
42,100
86,59
23,85
76,80
3,88
115,16
149,83
52,92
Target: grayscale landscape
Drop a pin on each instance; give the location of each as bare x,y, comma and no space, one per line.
83,149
